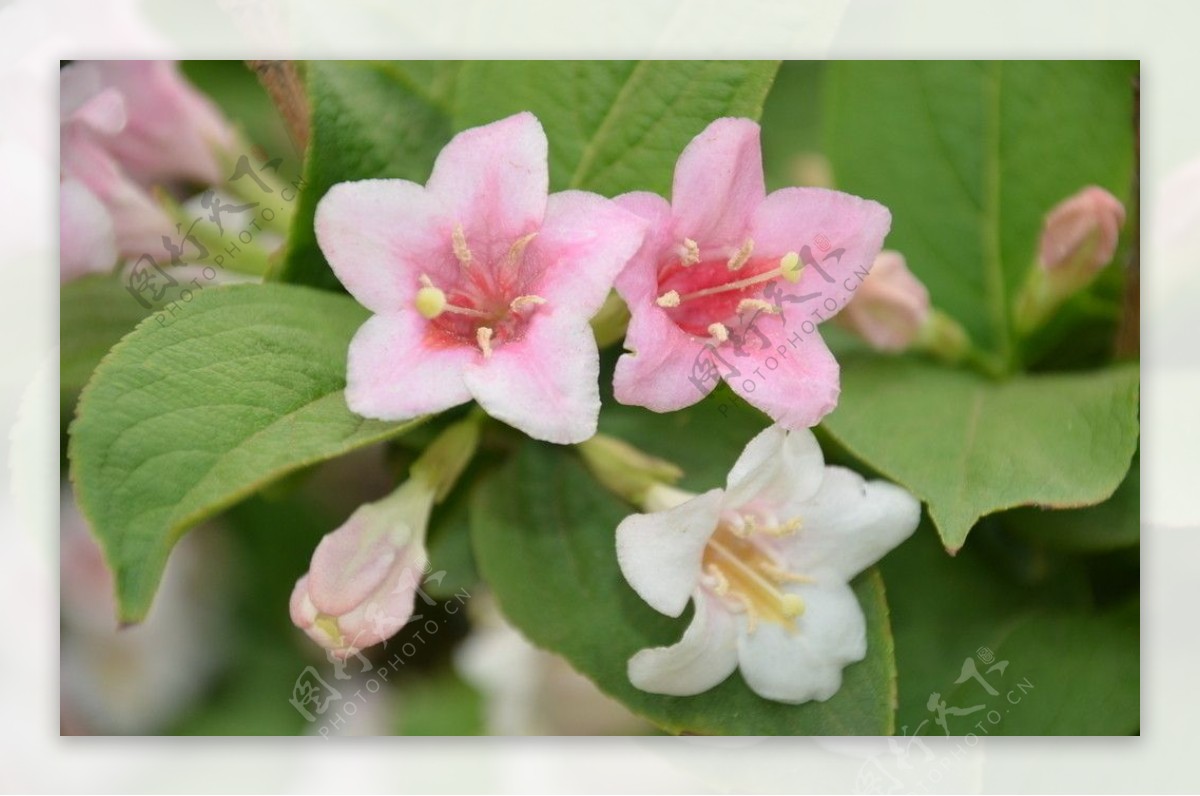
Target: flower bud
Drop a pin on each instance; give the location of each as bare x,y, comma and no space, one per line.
891,307
363,579
1080,233
625,470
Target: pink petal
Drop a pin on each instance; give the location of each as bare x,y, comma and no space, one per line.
379,236
544,384
87,241
666,368
663,359
836,234
718,183
395,372
794,379
584,242
493,180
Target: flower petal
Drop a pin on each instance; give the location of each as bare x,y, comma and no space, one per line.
836,234
660,553
394,373
87,240
379,236
794,379
705,656
544,384
777,467
849,524
348,565
584,242
806,664
493,180
718,183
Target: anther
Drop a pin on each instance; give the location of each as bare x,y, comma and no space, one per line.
520,303
691,253
461,252
517,250
718,332
742,255
483,336
668,299
750,305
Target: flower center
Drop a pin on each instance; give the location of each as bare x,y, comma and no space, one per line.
740,568
485,306
704,292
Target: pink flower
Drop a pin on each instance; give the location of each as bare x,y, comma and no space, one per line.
363,579
171,130
731,283
481,285
1080,234
890,307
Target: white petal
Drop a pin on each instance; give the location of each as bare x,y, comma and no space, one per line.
849,524
660,553
806,664
705,656
776,467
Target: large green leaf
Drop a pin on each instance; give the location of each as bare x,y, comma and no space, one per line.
543,533
184,419
369,120
1071,670
969,156
969,446
613,126
94,313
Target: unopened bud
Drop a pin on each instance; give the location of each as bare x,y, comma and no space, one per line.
625,470
891,307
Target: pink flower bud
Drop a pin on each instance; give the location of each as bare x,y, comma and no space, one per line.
363,579
890,307
1080,234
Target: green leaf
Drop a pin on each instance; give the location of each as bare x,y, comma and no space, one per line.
1111,525
968,446
439,705
613,126
369,120
94,313
1082,664
184,419
543,533
970,156
1067,674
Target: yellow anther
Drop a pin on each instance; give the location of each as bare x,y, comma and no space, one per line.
461,252
691,253
791,606
742,255
718,332
668,299
751,305
430,302
790,267
520,303
483,336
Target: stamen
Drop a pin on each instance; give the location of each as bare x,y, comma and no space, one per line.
668,299
461,252
719,332
691,253
788,268
520,303
781,575
742,255
749,305
483,336
517,250
425,280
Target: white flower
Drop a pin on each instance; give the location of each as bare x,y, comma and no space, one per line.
767,562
